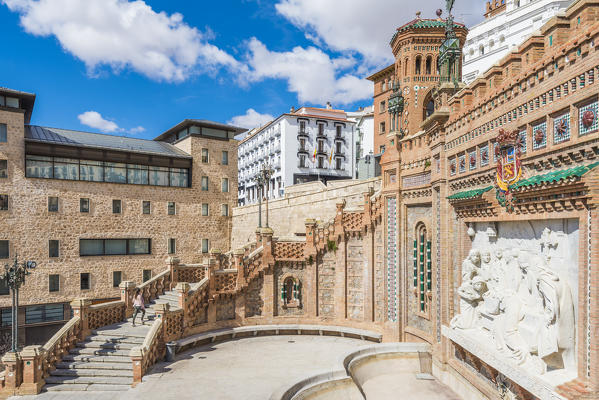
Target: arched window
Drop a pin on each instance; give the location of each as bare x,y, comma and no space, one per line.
417,65
405,68
429,65
422,267
481,49
290,292
429,109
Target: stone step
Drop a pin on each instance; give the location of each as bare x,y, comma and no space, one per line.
108,380
95,365
172,303
85,372
103,345
127,331
116,340
93,358
81,387
172,297
99,352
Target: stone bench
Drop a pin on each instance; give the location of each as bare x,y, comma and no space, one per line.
281,329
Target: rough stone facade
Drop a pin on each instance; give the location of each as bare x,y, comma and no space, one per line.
29,226
326,285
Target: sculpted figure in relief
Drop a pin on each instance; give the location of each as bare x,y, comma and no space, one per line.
524,307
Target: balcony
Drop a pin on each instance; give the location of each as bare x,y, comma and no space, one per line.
321,152
321,136
339,155
339,138
302,134
303,152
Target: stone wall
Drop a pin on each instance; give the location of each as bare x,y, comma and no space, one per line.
357,274
28,224
326,285
283,270
379,274
310,200
254,296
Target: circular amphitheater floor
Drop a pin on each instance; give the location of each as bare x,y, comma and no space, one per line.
254,368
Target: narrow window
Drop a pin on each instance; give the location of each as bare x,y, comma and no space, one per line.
84,281
303,126
225,185
3,250
84,205
382,106
339,133
145,205
172,246
53,248
224,210
205,209
320,129
116,206
116,278
3,135
53,204
204,245
3,169
3,202
302,163
53,283
320,162
172,208
146,275
204,183
4,290
418,62
225,158
338,163
382,127
205,156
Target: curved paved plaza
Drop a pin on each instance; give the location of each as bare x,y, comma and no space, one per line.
254,368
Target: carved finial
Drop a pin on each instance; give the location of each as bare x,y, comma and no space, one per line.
418,14
439,12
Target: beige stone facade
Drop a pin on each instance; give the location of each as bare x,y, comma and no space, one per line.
307,200
28,224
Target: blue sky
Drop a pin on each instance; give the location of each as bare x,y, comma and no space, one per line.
139,67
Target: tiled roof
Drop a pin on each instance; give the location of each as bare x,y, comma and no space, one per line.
469,194
101,141
556,176
426,23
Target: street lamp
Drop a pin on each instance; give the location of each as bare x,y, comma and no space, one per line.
266,172
14,277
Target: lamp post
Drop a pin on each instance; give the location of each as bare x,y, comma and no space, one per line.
264,179
14,277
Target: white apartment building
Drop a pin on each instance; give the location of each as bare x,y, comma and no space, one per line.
507,24
301,146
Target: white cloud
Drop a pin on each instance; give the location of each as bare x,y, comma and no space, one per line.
124,34
366,27
309,72
251,119
95,120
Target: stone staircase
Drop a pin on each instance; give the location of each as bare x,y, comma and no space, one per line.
102,362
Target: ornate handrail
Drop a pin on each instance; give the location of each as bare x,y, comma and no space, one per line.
191,273
225,280
104,314
60,344
153,348
156,286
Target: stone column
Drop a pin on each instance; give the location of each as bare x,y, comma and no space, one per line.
339,228
238,260
311,288
32,370
211,311
172,263
267,265
80,308
127,292
13,375
215,254
137,359
182,289
161,313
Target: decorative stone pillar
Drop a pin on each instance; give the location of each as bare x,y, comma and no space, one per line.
137,359
238,260
80,309
33,381
267,265
161,313
215,254
311,292
211,311
339,229
258,237
182,289
13,375
172,263
127,292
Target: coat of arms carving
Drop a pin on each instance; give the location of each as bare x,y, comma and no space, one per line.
509,167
